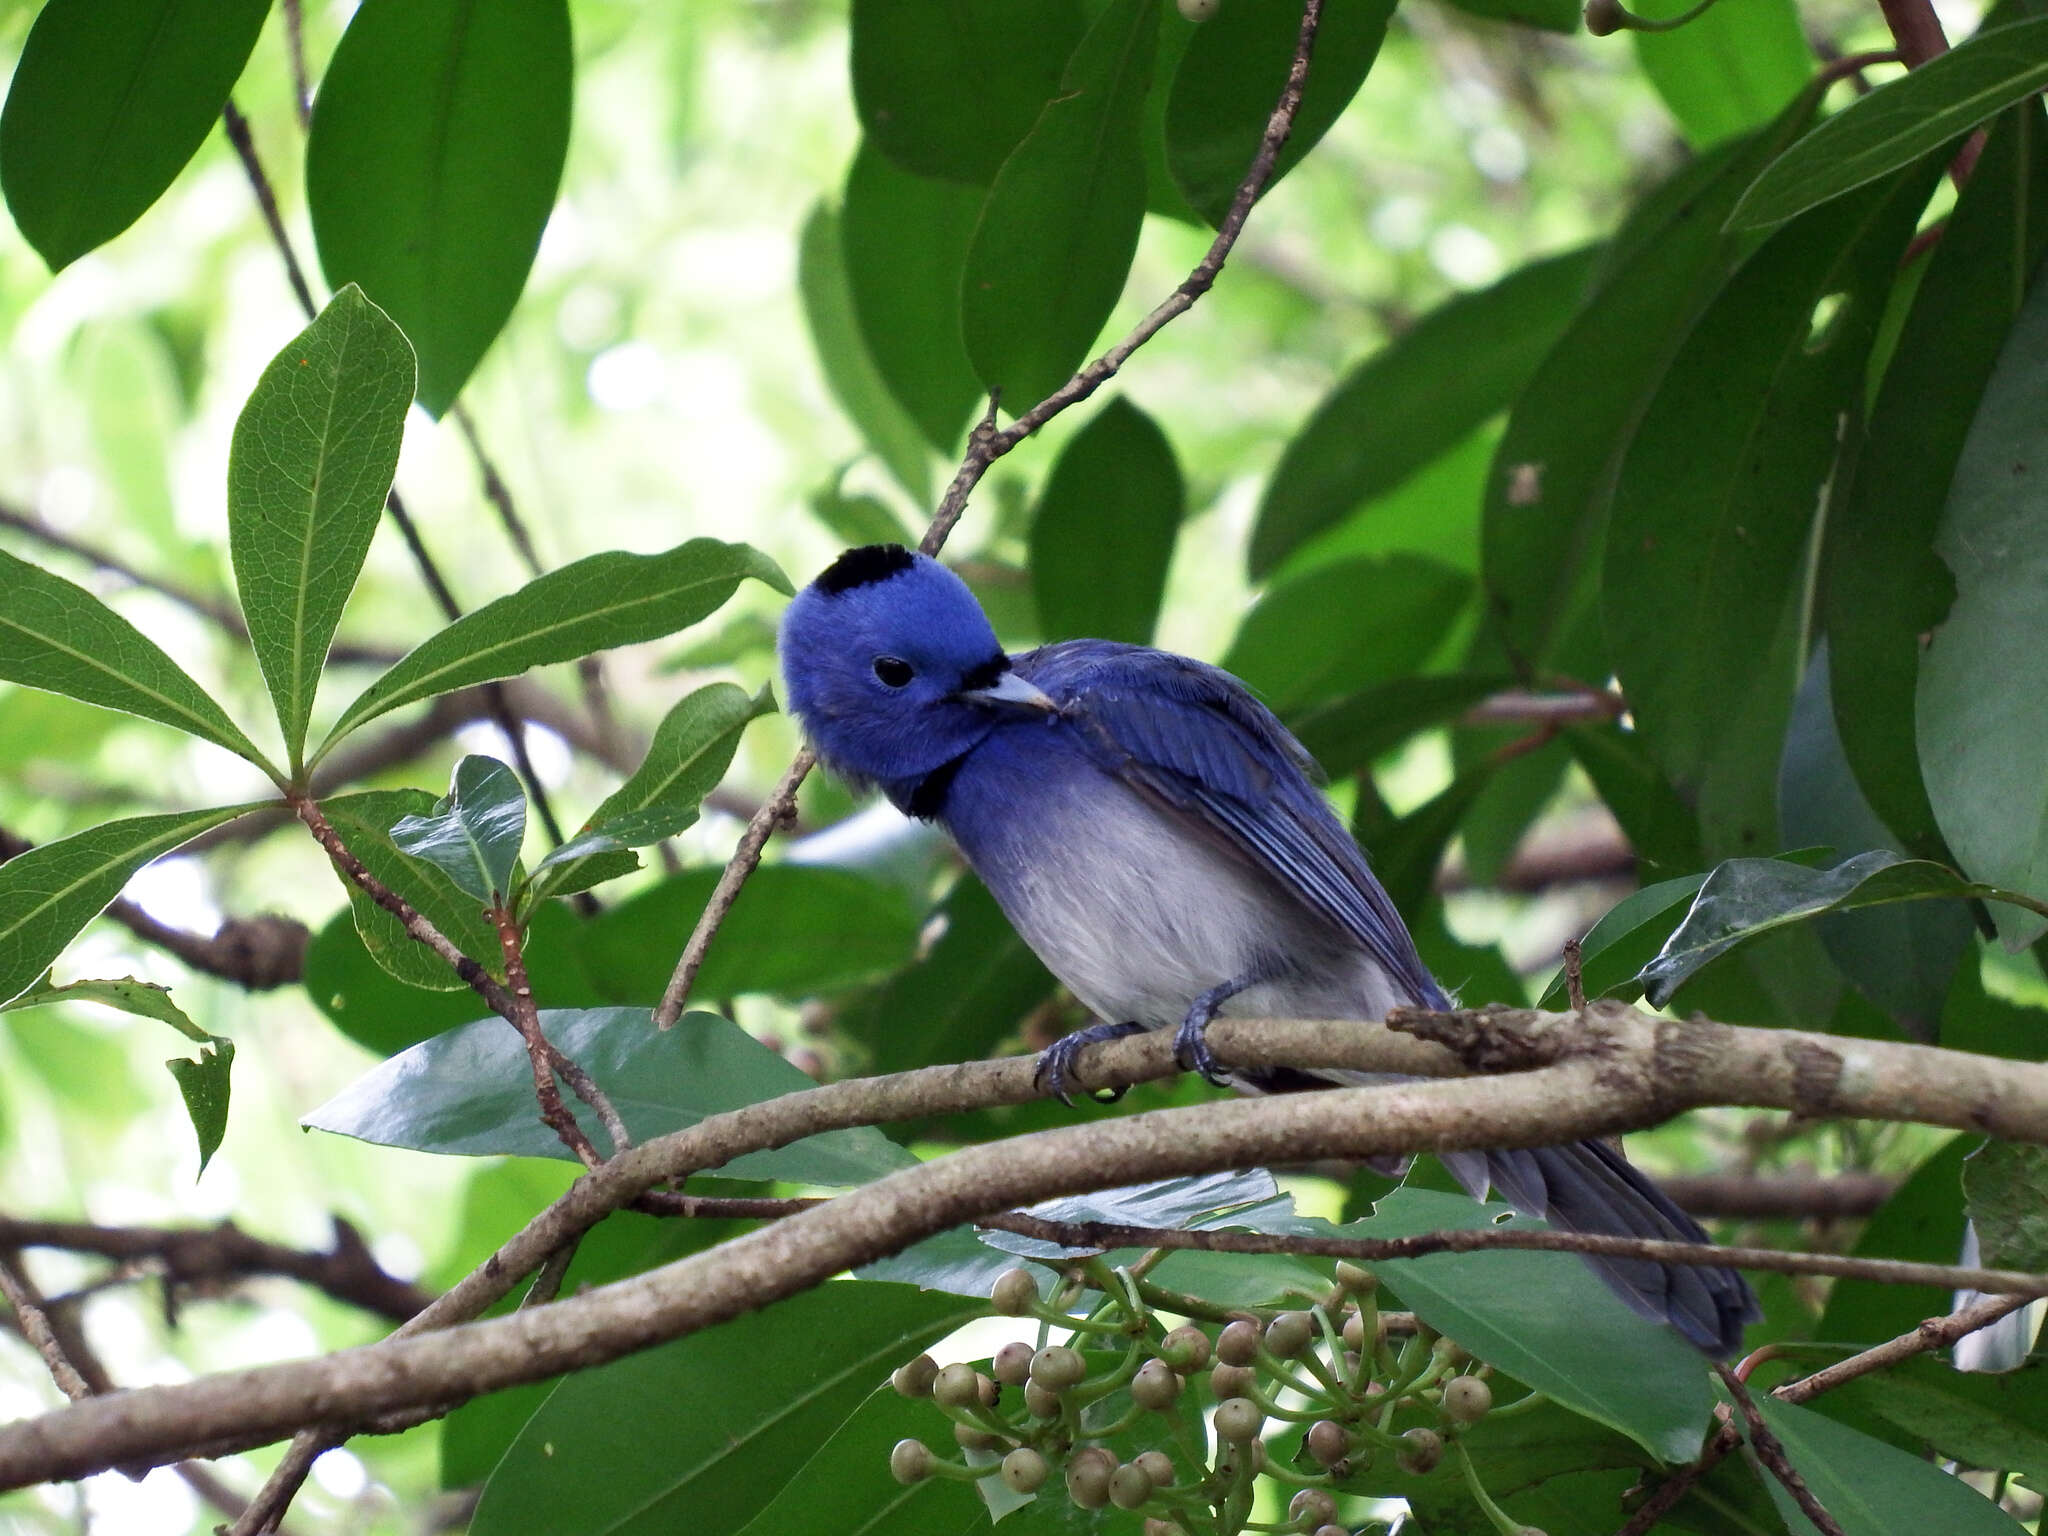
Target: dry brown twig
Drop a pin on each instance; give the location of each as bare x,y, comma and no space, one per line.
986,444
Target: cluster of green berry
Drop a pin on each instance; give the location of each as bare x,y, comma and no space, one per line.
1358,1387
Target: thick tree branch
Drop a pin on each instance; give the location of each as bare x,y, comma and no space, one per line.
985,444
1612,1070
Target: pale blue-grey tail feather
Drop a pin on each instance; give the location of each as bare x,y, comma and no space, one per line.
1589,1187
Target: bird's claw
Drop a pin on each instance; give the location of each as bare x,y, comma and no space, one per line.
1191,1050
1056,1066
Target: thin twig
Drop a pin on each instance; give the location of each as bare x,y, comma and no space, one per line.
266,199
295,51
35,1327
985,445
1574,974
525,1018
1771,1452
1934,1333
1675,1487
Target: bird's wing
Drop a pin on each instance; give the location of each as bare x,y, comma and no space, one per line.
1193,738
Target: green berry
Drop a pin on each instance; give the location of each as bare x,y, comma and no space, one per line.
1354,1331
1238,1344
1057,1367
1012,1364
971,1437
1289,1333
956,1386
1356,1280
1312,1507
1327,1442
1423,1449
1331,1530
1015,1293
1239,1419
1154,1526
1199,10
1158,1466
1185,1350
1231,1381
1130,1485
1450,1353
1088,1481
990,1394
916,1378
910,1462
1154,1387
1040,1403
1024,1470
1466,1398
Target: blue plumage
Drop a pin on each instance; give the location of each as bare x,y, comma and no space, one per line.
1155,835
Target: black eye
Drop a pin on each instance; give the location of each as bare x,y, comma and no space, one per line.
892,670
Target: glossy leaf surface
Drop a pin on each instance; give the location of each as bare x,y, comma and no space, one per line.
474,832
1104,530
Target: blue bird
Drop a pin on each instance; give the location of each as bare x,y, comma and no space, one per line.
1154,833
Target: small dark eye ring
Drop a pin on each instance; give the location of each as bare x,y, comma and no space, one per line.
893,670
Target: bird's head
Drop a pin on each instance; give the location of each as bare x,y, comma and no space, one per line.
892,668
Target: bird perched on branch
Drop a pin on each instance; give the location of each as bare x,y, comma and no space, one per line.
1155,835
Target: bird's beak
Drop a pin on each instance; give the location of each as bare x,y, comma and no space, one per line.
1013,692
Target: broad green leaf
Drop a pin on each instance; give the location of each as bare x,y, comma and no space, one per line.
474,832
700,1434
2002,1181
1901,121
1553,476
1415,399
1346,627
469,1093
590,605
1347,734
1104,529
1544,1318
1626,939
795,931
1882,586
1717,495
959,1001
950,91
385,1015
1983,691
1551,15
203,1083
1727,71
108,102
1979,1418
364,821
843,354
1407,853
58,637
1870,1488
1901,956
1922,1222
692,748
904,241
1661,828
1525,781
1057,233
1533,1463
857,519
437,143
1746,897
1434,512
313,456
50,892
1231,76
1975,1020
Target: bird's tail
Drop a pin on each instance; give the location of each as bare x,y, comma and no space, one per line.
1589,1187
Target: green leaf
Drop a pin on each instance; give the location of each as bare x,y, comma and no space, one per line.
589,605
50,892
1981,1419
1415,399
1901,121
1746,897
796,931
1531,1462
2002,1181
865,1497
1104,529
203,1083
1882,586
856,520
904,241
962,998
437,145
1346,627
1347,734
950,91
468,1092
1661,827
1727,71
843,354
692,748
314,452
474,832
108,102
1983,690
700,1434
1626,939
58,637
1922,1222
1231,76
1872,1489
1057,233
1717,494
1551,15
364,821
1408,853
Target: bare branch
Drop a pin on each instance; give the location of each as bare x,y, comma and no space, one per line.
34,1323
1934,1333
1771,1453
266,199
1768,1197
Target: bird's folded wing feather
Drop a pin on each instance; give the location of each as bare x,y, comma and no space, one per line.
1192,737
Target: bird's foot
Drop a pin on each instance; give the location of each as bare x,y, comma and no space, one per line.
1056,1066
1191,1045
